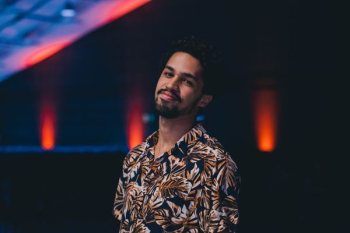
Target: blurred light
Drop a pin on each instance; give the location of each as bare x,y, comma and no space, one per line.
123,7
200,118
68,11
135,126
148,117
265,110
47,128
44,53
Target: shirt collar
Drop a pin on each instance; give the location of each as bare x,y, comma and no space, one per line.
187,140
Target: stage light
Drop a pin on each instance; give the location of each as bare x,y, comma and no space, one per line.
123,7
135,126
48,128
45,52
68,11
148,117
266,117
200,117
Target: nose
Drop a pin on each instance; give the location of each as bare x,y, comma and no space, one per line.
174,83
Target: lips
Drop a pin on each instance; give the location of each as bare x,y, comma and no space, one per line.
166,95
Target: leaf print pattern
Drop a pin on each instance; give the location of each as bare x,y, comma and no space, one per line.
139,227
183,218
132,198
191,188
174,186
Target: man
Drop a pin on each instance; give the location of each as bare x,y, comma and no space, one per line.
180,179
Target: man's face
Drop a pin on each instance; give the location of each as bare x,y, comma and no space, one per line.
179,88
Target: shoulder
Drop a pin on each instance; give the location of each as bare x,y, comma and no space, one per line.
134,154
210,149
212,142
212,146
132,163
215,164
139,149
226,170
142,147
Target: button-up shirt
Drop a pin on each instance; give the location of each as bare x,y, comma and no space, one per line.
191,188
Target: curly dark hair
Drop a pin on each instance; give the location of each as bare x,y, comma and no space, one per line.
212,61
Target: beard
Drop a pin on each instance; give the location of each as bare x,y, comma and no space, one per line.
163,109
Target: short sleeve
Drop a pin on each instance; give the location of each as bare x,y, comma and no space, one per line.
229,184
223,215
119,200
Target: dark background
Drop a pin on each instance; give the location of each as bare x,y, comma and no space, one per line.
90,81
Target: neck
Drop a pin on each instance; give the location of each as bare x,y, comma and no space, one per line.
170,131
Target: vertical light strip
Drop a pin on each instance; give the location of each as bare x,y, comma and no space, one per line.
135,126
265,110
48,127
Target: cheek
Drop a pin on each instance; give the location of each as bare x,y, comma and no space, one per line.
158,86
189,95
160,83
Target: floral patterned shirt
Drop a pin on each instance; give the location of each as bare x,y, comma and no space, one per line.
191,188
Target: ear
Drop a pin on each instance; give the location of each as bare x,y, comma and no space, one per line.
205,100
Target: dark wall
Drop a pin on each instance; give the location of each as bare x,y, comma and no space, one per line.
90,82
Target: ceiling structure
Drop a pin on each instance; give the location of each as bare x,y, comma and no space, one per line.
32,30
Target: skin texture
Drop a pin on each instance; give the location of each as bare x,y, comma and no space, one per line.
179,89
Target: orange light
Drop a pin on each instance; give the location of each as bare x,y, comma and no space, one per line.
135,126
45,52
265,106
123,7
48,128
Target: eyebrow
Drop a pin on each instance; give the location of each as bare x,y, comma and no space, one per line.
188,75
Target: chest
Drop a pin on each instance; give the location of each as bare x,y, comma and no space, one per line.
167,177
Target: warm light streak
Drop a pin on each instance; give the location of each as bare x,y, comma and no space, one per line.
135,126
45,52
61,35
48,128
265,107
123,7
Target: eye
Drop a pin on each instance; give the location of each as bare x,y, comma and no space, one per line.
189,83
168,74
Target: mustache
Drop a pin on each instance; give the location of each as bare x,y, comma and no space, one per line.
171,91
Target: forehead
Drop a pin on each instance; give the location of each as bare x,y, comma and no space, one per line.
185,63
